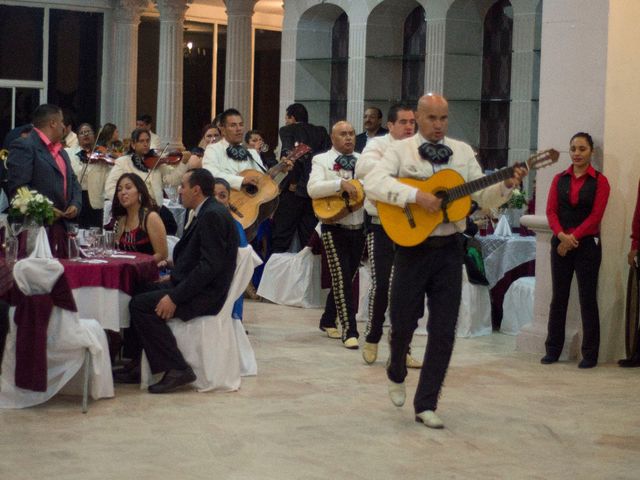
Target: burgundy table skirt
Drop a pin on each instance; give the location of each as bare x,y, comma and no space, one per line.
125,274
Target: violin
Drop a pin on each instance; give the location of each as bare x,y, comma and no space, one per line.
102,154
152,159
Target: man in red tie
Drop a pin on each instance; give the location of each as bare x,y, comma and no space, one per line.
39,162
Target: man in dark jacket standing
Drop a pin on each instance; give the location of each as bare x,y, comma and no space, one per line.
295,213
39,163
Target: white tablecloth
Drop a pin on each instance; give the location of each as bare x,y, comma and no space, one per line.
502,254
109,306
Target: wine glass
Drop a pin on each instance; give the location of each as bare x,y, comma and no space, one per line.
72,232
16,228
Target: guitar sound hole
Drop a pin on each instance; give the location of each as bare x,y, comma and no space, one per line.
251,189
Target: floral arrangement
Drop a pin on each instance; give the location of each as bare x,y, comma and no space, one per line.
518,199
31,204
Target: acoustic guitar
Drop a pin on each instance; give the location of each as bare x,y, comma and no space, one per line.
410,225
333,208
254,203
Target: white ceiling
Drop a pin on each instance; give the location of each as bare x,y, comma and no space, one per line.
262,6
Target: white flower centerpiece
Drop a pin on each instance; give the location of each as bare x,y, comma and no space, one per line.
514,208
35,210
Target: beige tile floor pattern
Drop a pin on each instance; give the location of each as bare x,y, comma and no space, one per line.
315,411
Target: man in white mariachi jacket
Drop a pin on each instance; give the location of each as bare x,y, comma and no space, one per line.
434,266
228,157
401,124
343,240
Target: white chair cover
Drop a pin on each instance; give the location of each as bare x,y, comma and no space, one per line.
364,282
293,279
216,346
517,306
67,338
474,316
171,243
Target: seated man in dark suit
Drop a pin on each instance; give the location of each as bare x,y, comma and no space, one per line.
372,120
39,162
204,264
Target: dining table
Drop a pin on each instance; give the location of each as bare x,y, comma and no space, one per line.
102,286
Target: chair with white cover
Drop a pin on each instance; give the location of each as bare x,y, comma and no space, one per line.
517,306
293,279
172,241
71,342
474,316
216,346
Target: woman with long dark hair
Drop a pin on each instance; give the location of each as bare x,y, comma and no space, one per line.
139,227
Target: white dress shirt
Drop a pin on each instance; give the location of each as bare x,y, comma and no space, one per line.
221,165
403,160
324,181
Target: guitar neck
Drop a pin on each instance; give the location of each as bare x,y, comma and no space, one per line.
468,188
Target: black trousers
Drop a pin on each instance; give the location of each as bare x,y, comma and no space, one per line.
585,262
150,332
380,251
434,267
344,251
89,217
293,215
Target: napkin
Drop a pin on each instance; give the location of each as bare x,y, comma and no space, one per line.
120,255
42,249
502,228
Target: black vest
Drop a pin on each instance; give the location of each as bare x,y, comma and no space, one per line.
571,216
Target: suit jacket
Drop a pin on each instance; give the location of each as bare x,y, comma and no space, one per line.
361,139
30,164
205,261
315,137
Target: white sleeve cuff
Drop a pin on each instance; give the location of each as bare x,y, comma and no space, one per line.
411,198
338,185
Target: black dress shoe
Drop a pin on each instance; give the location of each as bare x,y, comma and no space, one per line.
172,380
632,362
127,375
585,363
548,359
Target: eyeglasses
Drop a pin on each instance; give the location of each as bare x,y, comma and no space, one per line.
85,133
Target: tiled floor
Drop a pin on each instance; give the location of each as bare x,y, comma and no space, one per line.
315,411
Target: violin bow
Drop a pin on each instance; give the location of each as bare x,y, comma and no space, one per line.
164,150
93,150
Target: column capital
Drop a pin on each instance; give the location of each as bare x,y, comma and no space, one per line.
129,11
172,9
240,7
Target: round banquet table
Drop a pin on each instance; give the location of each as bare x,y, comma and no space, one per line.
102,287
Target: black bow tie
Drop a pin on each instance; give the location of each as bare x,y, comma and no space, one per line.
436,153
237,152
346,162
82,155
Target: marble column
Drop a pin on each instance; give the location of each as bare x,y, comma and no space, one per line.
288,60
523,63
237,81
356,71
436,13
170,72
126,19
572,31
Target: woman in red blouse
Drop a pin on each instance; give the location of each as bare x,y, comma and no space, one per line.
575,206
